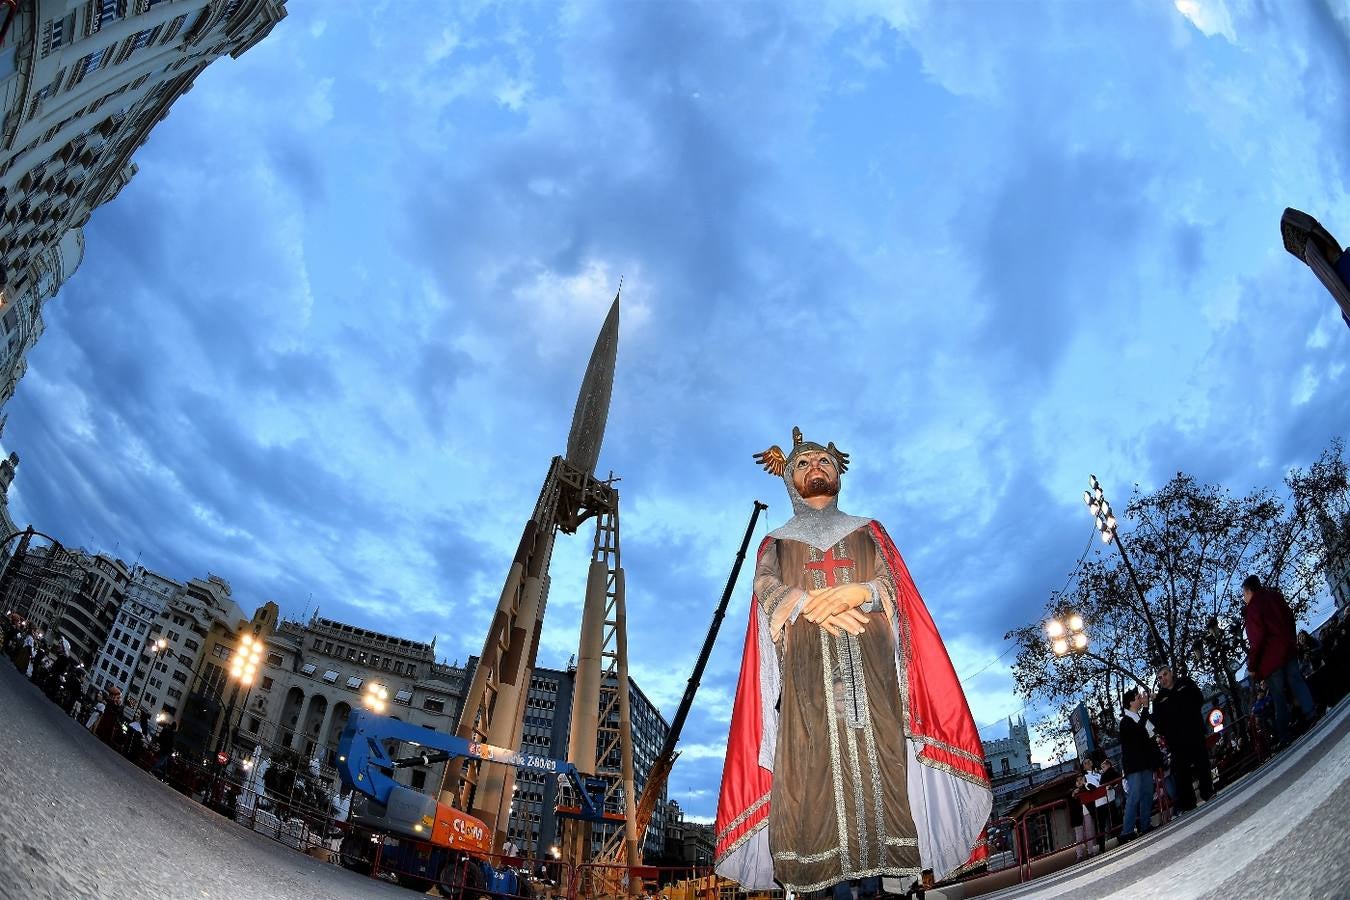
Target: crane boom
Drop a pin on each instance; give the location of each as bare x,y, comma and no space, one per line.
665,760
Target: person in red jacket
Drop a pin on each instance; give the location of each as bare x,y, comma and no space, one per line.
1273,636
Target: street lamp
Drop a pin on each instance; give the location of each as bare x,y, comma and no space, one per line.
376,698
1097,504
243,667
1067,635
157,651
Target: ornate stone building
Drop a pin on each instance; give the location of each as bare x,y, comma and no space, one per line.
316,672
82,84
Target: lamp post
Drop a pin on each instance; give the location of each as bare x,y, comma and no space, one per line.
159,646
1096,501
243,667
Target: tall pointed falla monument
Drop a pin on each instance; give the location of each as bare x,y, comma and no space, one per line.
494,706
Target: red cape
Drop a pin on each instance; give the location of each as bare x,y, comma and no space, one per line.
953,783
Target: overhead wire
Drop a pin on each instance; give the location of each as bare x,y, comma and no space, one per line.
1072,573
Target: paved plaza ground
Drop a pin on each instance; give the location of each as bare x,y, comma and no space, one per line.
79,821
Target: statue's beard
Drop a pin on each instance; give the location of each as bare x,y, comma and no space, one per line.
820,486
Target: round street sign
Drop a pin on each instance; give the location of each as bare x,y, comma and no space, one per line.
1216,719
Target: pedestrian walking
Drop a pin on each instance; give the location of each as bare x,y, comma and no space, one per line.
1179,717
164,741
1271,632
1140,757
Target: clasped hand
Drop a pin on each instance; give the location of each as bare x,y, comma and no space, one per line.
836,608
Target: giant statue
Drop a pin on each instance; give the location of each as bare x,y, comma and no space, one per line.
852,751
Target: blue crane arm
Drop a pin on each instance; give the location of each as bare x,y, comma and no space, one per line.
364,763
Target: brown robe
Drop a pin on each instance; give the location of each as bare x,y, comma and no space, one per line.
840,805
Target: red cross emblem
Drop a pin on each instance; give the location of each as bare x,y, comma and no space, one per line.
829,565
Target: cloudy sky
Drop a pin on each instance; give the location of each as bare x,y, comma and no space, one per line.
327,341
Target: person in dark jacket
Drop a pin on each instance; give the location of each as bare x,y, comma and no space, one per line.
1272,634
1177,713
164,741
1139,757
110,725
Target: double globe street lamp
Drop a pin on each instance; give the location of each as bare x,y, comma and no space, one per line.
156,653
1097,504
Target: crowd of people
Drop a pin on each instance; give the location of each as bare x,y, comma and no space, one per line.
61,676
1165,752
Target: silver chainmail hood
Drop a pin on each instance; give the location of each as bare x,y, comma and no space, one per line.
820,528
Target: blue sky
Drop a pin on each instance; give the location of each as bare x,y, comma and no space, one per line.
327,340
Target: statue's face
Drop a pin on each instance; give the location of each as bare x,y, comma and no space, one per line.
815,474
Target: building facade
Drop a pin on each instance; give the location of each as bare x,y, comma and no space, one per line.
132,632
186,624
39,580
8,528
66,593
1336,538
315,673
87,618
1010,756
534,825
82,84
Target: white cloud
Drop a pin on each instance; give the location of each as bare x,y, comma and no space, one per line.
1210,17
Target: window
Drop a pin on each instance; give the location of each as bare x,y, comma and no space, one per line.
403,696
220,651
418,780
351,653
328,647
374,661
175,693
180,676
354,683
266,683
192,645
275,659
254,724
1004,763
434,704
317,643
330,676
174,27
107,11
142,39
56,35
308,669
171,710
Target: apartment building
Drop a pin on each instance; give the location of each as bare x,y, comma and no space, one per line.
133,632
82,85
